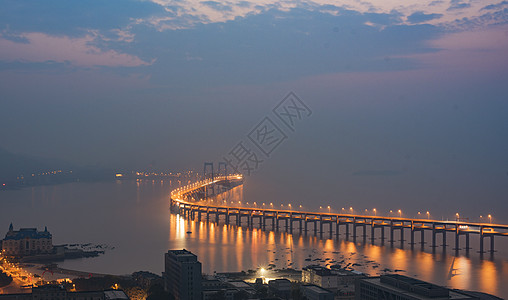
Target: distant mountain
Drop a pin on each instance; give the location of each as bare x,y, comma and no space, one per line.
20,170
13,165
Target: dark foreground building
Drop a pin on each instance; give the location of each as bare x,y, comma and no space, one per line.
401,287
182,275
58,292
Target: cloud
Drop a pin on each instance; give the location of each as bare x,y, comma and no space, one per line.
217,5
458,4
495,6
185,14
41,47
419,17
468,51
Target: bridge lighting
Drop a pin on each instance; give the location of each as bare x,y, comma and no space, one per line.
458,216
375,213
329,209
490,219
428,215
351,209
400,213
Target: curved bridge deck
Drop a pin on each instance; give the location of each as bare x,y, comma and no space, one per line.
186,201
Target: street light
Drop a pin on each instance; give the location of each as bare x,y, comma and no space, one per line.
458,216
428,215
375,213
400,213
490,219
329,209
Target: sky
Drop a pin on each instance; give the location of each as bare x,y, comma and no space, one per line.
406,100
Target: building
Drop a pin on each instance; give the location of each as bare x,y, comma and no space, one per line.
58,292
27,241
333,279
314,292
182,275
339,281
401,287
280,287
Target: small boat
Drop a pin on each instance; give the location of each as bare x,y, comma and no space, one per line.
189,232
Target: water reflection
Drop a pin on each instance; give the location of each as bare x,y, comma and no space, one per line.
246,248
142,231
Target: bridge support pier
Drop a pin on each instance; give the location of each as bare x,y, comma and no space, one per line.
391,235
402,236
412,238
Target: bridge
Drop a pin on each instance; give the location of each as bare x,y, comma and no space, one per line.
188,202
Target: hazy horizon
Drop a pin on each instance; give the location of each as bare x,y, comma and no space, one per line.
408,98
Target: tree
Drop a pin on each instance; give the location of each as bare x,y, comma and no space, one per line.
4,279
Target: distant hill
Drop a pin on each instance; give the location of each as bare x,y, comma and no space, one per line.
13,165
16,171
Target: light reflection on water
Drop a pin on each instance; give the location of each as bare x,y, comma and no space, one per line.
134,218
252,248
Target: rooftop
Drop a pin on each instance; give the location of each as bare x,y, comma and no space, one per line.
316,289
415,288
23,233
